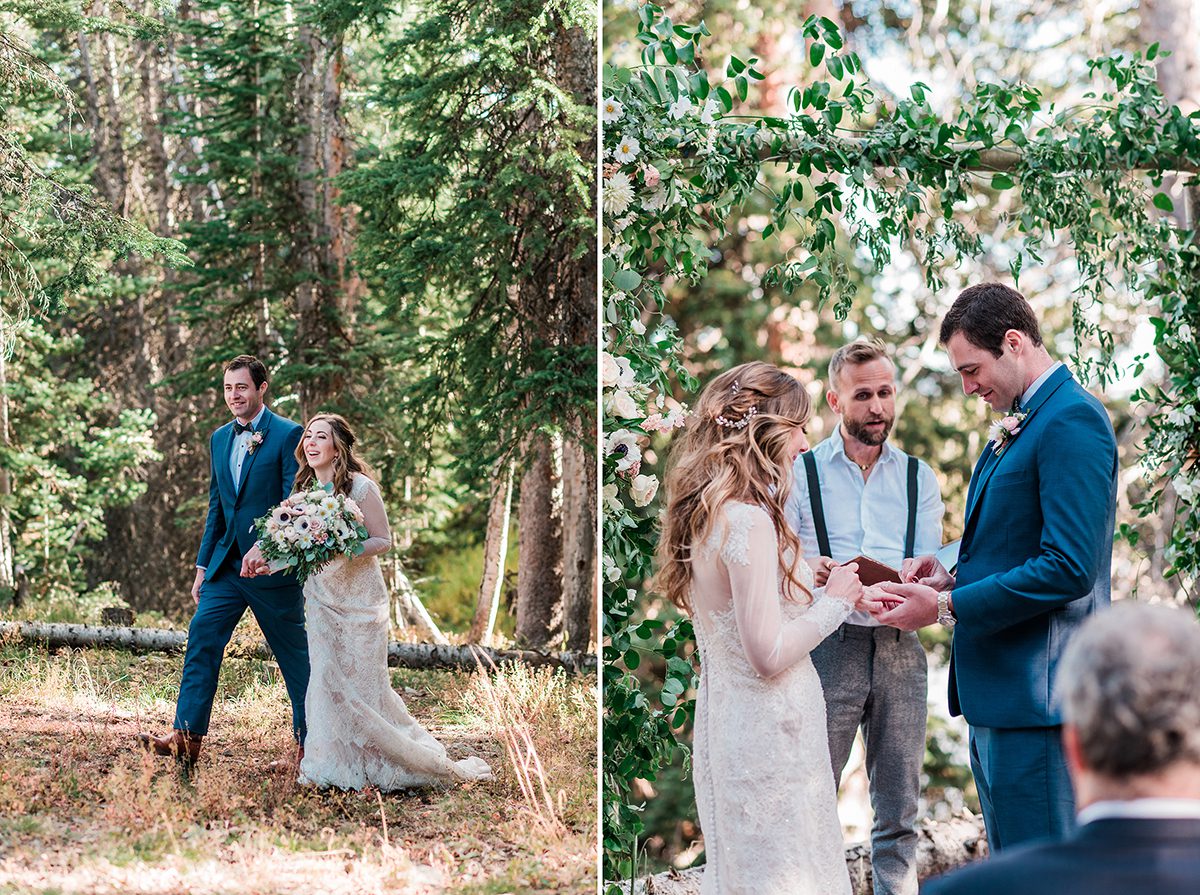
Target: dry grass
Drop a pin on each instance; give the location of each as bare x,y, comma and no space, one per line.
82,810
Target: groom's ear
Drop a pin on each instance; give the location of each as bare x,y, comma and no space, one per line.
831,398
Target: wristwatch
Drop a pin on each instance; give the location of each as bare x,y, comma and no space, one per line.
945,617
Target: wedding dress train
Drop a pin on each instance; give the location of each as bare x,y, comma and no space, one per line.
766,799
359,730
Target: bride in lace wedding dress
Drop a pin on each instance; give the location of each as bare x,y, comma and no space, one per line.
359,729
767,805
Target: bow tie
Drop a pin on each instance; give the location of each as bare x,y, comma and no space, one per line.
238,428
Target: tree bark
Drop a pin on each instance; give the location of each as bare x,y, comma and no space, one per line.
940,847
7,575
495,552
1173,25
539,540
579,544
400,655
576,288
328,290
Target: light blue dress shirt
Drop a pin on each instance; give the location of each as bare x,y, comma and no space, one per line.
865,517
239,449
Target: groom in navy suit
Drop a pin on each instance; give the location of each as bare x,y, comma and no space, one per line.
253,467
1034,561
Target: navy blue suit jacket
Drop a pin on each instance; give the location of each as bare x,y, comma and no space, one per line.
267,478
1112,856
1035,558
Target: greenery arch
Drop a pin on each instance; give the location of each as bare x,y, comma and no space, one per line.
677,163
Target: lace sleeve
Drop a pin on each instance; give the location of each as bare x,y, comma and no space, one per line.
771,644
379,536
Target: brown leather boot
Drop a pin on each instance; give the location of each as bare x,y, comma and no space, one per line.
180,745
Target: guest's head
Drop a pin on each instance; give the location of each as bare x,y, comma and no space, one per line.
994,343
1128,687
862,390
328,448
245,384
738,445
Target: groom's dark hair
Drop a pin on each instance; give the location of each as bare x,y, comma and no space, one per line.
984,313
258,371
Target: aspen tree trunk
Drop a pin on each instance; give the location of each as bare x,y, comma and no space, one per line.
495,551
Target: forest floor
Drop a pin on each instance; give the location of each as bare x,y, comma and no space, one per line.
83,810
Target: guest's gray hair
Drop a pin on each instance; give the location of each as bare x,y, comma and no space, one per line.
1129,682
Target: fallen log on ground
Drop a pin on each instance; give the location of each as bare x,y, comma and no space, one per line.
401,655
940,847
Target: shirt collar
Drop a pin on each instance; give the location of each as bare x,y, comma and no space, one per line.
1038,383
257,418
837,440
1140,808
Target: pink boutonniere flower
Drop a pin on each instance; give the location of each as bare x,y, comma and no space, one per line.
1004,431
256,439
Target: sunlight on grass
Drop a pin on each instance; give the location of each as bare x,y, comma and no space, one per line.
83,810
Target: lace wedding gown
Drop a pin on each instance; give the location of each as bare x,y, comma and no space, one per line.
359,730
768,807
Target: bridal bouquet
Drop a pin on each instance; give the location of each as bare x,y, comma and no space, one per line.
309,529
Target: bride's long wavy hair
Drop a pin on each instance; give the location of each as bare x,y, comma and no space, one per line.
713,462
345,461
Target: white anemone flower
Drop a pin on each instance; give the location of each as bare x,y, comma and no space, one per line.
626,150
624,444
611,110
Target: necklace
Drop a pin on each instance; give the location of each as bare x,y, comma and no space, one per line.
865,467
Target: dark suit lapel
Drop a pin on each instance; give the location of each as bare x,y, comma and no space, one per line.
263,425
990,465
221,445
985,458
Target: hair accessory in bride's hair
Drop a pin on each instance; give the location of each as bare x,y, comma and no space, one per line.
726,423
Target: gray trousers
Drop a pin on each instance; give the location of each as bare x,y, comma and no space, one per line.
877,678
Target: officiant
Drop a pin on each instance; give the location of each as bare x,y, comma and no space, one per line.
854,494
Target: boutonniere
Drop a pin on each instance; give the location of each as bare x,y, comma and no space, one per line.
256,439
1005,430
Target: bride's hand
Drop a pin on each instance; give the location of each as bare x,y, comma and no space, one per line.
843,584
875,600
254,563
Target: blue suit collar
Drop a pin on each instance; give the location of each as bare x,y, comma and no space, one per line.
990,460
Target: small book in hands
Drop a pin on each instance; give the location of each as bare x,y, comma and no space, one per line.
872,571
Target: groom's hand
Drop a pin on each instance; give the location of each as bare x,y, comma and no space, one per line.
926,570
918,606
196,586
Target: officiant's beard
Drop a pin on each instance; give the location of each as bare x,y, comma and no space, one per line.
873,437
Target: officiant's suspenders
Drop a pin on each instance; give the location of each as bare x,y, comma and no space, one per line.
818,509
